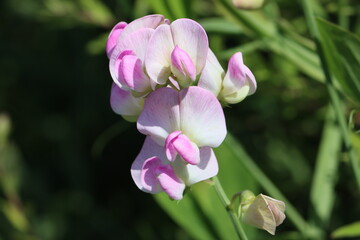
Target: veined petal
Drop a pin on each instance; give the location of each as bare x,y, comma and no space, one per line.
131,73
122,102
182,66
212,75
150,21
148,175
158,54
136,41
113,37
148,150
202,117
160,115
191,37
169,182
205,169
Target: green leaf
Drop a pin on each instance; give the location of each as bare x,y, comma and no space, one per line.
185,213
350,230
322,192
342,52
160,7
178,8
220,26
97,12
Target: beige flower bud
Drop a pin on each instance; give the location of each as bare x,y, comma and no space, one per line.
265,213
248,4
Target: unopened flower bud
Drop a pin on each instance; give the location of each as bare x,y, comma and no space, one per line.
238,82
248,4
264,212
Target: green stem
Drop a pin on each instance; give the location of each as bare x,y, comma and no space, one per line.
226,202
334,95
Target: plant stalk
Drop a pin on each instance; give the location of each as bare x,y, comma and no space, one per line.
226,202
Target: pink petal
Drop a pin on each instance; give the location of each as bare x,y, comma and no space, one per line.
149,179
169,147
212,75
157,58
202,117
113,37
150,21
114,66
169,182
134,44
148,150
132,74
235,77
186,149
191,37
182,66
122,102
205,169
160,115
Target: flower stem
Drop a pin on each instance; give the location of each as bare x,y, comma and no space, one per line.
226,202
333,93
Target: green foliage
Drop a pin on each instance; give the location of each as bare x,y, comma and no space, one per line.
325,176
342,51
347,231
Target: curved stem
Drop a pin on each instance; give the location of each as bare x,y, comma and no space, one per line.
226,202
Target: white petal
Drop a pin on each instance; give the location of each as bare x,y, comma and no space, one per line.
202,117
207,168
212,75
191,37
158,54
160,115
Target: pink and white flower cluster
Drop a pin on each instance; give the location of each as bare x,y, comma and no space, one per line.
167,79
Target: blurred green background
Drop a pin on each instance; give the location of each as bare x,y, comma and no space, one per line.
65,156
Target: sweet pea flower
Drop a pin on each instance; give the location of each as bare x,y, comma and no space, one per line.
183,121
152,172
127,44
182,126
178,50
232,87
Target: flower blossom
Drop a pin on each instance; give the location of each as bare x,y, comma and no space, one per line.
178,50
150,51
128,54
181,127
232,87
